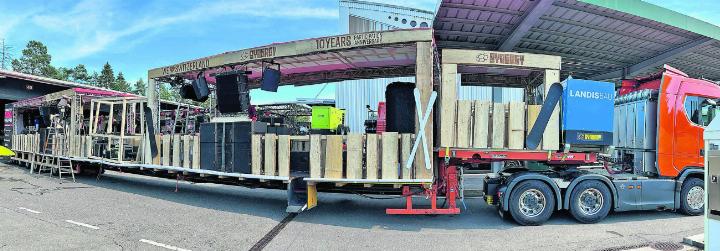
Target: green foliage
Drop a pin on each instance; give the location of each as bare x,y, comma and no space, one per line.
62,73
94,79
167,93
120,84
35,60
107,77
140,87
79,74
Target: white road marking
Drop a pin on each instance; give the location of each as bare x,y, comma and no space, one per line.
82,224
163,245
29,210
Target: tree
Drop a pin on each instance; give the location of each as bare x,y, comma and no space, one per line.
5,54
167,94
61,73
140,87
80,74
94,79
35,60
107,77
120,84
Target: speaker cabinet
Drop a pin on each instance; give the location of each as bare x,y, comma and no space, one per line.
232,93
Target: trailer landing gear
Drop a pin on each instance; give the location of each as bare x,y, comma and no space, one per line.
451,193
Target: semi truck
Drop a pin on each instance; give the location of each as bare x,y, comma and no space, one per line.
656,163
576,145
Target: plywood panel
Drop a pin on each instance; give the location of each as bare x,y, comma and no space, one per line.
158,145
406,142
283,155
186,151
424,82
270,154
516,125
166,150
464,119
354,167
88,146
532,113
498,126
390,163
196,152
481,119
551,136
315,157
448,99
371,162
257,154
333,157
176,150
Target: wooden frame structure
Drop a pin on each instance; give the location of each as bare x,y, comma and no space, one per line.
459,129
127,133
321,60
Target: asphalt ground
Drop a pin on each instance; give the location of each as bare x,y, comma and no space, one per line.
131,212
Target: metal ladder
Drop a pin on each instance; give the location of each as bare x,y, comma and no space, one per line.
53,152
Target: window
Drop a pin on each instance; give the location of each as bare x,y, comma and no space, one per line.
413,23
424,25
701,111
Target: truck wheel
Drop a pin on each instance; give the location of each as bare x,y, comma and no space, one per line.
590,201
532,203
692,197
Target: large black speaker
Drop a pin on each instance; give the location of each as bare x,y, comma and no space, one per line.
197,90
400,107
232,93
225,147
270,80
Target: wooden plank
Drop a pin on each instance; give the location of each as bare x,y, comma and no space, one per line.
371,156
88,146
481,119
283,153
551,136
186,151
448,99
196,152
516,125
333,157
498,126
257,154
270,155
166,150
406,141
158,144
532,113
389,168
424,65
354,166
315,157
463,123
176,150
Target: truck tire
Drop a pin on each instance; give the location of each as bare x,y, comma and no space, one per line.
692,197
590,201
532,203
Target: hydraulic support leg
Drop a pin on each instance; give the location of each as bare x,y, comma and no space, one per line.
449,182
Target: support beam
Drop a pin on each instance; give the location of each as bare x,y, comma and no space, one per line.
424,83
655,61
530,18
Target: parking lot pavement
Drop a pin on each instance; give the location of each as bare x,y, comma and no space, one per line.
130,212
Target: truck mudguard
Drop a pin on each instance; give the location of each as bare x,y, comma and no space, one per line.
523,176
681,178
584,177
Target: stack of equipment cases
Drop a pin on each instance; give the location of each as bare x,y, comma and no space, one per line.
226,146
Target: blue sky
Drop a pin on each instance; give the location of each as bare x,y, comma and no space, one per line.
136,35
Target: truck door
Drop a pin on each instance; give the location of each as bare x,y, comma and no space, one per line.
688,143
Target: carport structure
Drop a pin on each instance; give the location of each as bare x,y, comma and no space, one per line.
597,39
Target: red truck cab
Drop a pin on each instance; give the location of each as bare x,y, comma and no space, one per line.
685,107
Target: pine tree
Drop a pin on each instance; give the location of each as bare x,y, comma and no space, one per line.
80,74
62,73
140,87
107,77
94,79
120,84
35,60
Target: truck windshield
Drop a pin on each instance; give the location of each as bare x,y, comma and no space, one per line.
700,110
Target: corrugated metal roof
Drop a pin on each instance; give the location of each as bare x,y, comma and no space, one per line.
594,41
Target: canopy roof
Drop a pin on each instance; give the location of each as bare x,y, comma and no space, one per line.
317,60
597,39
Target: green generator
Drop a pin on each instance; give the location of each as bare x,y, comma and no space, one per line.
328,118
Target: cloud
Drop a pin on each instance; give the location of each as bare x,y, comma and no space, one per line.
93,25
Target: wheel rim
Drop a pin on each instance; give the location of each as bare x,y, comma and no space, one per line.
695,198
532,203
590,201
